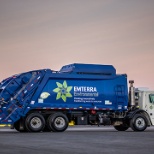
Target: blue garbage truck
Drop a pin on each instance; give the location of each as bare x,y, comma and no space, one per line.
85,94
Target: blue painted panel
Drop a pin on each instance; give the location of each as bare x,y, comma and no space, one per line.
90,93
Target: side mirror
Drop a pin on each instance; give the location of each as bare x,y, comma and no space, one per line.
136,96
151,98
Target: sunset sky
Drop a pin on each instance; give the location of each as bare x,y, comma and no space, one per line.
36,34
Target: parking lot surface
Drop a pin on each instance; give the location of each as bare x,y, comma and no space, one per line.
78,140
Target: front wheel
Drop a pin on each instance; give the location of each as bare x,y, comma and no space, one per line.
57,122
138,122
121,128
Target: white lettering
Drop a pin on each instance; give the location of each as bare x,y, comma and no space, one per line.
85,89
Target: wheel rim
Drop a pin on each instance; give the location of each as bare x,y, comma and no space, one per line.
140,122
36,122
59,122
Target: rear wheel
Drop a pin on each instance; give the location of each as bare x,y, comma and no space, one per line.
121,128
138,122
57,122
46,129
35,122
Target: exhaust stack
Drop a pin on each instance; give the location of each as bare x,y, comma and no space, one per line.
131,94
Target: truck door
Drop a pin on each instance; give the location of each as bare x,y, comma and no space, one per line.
150,106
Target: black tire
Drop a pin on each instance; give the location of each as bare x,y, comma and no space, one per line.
46,129
17,126
57,122
121,128
35,122
138,122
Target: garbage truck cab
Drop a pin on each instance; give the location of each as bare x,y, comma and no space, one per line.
144,98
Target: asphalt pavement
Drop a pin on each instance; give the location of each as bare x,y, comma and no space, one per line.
78,140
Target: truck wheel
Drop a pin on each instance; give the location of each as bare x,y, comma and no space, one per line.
57,122
35,122
138,123
121,128
18,124
46,129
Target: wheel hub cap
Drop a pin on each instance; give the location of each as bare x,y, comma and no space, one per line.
35,122
140,123
59,122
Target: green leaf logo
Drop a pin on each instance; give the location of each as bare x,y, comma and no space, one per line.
63,91
44,95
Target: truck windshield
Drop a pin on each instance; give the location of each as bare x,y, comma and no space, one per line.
151,97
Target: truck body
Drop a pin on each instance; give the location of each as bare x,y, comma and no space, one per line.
84,94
